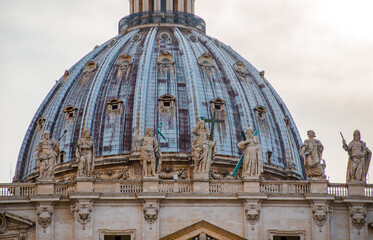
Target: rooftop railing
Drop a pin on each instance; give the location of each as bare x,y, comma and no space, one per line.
266,187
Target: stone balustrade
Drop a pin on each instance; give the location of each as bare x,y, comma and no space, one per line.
179,186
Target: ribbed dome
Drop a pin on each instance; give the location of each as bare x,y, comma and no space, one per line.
164,74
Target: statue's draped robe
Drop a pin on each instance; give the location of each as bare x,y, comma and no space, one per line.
252,160
312,150
358,167
47,154
85,156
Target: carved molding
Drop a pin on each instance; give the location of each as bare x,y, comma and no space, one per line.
44,216
358,216
252,213
83,212
151,212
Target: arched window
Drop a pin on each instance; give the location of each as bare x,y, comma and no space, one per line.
70,112
114,105
163,5
260,112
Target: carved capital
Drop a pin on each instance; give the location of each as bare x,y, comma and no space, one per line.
151,212
83,212
252,213
44,215
358,216
4,223
320,214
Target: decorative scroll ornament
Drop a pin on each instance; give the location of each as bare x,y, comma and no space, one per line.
83,213
320,214
166,63
90,68
124,65
252,213
4,223
44,214
358,217
151,213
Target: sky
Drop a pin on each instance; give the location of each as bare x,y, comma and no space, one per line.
317,54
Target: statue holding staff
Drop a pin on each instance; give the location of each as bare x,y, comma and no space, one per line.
359,158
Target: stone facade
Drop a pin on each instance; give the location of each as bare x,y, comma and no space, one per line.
168,209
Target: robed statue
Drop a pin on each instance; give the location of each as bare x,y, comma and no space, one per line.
252,165
312,151
85,155
200,146
46,155
149,153
359,159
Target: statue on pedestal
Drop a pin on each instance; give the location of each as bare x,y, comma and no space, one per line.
312,150
200,146
85,155
46,155
149,152
359,159
252,166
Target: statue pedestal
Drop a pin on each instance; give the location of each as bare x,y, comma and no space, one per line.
318,185
356,188
84,184
252,185
201,175
45,186
150,184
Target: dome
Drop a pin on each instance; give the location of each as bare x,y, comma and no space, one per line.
163,71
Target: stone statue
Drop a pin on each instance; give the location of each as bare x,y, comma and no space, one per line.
252,165
46,155
85,155
312,150
200,146
149,151
359,159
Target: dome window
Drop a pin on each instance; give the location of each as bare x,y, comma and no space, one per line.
241,70
114,105
167,101
260,112
261,74
165,36
90,68
136,38
217,105
112,43
165,62
124,65
40,123
70,112
269,156
217,43
206,63
193,38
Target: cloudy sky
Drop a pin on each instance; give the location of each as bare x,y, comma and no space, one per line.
317,54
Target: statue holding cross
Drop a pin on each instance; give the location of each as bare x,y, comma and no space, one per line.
204,145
